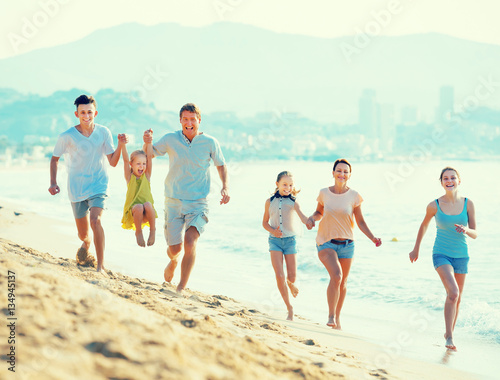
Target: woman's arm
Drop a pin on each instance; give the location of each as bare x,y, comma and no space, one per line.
316,216
470,231
360,221
429,214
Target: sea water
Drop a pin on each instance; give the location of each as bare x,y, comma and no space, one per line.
390,301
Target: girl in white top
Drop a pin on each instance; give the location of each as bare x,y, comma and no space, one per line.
338,206
279,213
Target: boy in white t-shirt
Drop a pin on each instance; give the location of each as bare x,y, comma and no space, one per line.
85,146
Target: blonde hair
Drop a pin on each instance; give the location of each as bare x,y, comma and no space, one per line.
134,155
286,174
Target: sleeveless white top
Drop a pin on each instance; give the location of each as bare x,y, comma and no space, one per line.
282,214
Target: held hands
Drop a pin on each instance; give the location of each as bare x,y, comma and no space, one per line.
225,196
54,189
460,229
148,136
310,223
122,138
277,232
377,241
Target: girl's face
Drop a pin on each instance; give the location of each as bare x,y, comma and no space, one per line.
138,165
285,185
342,173
450,180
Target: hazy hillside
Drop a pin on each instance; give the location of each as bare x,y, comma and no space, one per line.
245,69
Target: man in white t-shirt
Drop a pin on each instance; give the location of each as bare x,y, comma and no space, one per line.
85,147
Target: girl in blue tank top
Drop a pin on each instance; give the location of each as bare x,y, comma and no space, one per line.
455,220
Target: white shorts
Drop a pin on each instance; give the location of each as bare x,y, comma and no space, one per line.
182,214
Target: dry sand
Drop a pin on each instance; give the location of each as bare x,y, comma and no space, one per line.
73,323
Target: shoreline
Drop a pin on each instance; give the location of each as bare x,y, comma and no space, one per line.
108,323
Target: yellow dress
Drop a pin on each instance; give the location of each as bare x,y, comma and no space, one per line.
138,192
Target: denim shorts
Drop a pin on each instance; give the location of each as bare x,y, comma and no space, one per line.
81,209
344,250
287,245
460,265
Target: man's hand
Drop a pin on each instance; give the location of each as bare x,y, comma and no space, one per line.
225,196
122,138
54,189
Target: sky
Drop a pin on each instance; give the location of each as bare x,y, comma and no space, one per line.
33,24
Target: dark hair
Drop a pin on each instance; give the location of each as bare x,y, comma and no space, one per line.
288,174
84,99
190,107
342,161
446,169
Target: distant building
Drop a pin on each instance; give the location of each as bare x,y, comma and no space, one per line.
369,115
446,105
409,115
387,127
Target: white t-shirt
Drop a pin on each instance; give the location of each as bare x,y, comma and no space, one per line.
85,159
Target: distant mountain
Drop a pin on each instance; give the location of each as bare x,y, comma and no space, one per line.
42,119
246,70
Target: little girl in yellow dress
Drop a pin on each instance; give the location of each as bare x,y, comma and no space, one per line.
139,208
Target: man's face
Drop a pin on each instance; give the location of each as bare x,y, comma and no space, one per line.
190,124
86,113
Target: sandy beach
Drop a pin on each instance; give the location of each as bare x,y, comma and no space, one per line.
73,323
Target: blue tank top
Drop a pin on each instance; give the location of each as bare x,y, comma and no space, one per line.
448,241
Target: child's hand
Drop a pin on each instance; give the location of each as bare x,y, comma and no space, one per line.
310,223
277,232
123,138
148,136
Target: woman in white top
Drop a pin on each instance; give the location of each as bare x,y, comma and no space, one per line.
338,205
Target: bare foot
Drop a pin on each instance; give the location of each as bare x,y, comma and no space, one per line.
140,238
81,254
290,314
293,289
168,273
180,291
102,271
151,238
449,343
331,322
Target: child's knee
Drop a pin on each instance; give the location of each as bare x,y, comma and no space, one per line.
137,209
